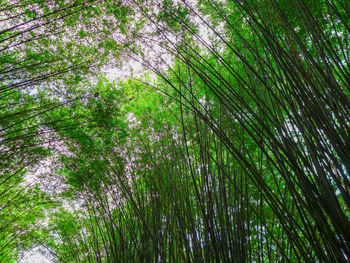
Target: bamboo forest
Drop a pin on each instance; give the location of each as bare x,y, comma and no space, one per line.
174,131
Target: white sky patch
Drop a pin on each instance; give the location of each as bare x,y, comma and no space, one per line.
132,68
36,255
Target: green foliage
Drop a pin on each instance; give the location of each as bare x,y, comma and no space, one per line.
233,147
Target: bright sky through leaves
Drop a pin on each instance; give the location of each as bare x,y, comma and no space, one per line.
35,256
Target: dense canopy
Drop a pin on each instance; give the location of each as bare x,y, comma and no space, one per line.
175,130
